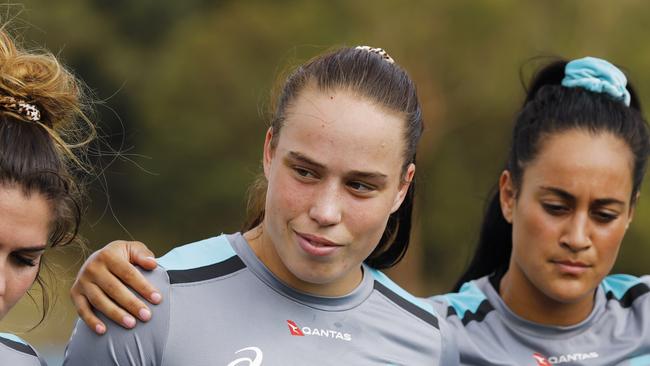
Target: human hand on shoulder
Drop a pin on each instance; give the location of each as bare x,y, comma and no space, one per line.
102,284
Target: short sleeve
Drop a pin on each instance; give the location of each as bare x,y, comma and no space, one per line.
141,346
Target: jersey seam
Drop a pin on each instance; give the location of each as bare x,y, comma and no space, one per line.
169,322
205,282
402,310
13,350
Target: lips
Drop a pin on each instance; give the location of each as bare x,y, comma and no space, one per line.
316,246
571,267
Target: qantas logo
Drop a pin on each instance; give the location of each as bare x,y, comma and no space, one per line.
541,360
570,357
295,330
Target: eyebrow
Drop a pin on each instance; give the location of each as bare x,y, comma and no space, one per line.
569,197
354,173
32,249
300,157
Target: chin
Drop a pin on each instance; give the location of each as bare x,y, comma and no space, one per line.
570,291
313,276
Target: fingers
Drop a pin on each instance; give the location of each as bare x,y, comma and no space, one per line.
86,314
97,298
141,255
102,284
115,290
117,258
128,275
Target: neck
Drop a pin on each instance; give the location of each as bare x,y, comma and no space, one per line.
266,252
529,302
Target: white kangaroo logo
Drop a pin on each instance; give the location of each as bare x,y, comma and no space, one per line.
295,329
257,361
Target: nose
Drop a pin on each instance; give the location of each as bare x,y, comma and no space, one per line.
326,207
577,237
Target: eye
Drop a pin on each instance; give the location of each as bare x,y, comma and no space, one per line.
604,216
555,209
303,172
361,187
22,260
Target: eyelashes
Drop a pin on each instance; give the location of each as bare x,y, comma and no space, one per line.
24,261
602,216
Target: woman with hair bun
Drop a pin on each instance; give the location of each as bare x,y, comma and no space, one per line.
539,289
301,285
43,133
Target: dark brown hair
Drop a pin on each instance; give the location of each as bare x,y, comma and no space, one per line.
44,156
371,76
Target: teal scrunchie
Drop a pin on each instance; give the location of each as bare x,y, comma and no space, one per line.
598,76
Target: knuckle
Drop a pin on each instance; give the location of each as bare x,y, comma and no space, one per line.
129,276
134,305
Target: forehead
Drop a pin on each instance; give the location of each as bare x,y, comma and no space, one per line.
24,218
581,161
340,123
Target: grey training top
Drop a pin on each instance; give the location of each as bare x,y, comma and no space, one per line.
222,306
16,352
617,332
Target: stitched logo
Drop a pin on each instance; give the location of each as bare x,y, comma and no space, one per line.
248,361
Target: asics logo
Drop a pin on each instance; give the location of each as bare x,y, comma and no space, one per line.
247,361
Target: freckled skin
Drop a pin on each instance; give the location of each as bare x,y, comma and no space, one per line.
590,168
24,223
344,133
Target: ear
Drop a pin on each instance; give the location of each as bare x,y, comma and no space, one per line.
630,215
507,195
268,152
404,187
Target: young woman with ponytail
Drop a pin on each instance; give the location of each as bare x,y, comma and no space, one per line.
301,284
538,290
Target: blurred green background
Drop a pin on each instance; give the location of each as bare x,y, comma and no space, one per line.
185,87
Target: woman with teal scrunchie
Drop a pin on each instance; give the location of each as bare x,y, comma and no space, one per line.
538,290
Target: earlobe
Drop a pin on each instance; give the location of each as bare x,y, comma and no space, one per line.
404,187
267,155
506,195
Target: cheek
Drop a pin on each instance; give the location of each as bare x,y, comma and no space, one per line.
368,218
286,196
18,281
608,243
535,235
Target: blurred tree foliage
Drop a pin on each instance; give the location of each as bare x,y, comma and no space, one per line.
186,88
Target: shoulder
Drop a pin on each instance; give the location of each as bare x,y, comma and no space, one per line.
198,261
446,346
469,304
16,351
400,297
201,260
626,289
